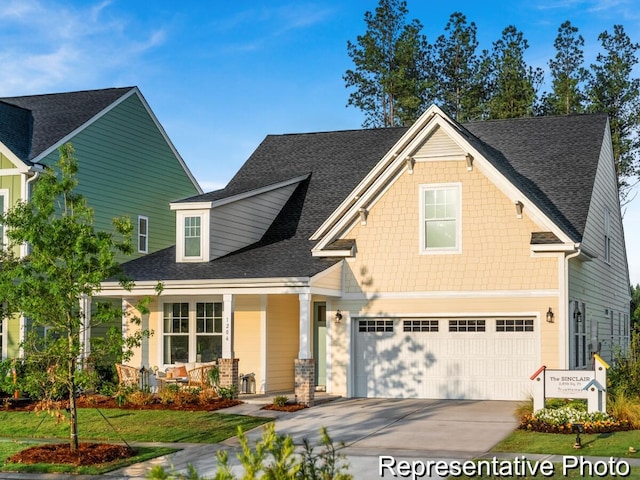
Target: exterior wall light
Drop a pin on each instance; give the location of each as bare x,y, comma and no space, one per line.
550,315
338,316
577,314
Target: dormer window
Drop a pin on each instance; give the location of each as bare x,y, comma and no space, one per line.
192,236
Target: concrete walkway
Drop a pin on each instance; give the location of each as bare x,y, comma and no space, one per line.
374,432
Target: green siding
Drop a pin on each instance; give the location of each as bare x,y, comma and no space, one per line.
128,169
13,336
5,162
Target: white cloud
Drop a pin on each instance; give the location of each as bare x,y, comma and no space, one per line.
55,46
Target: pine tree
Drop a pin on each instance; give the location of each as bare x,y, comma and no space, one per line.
613,90
457,70
513,84
391,60
567,73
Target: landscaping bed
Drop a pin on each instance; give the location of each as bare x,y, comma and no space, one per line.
195,404
60,453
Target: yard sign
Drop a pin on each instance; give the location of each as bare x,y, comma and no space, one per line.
589,384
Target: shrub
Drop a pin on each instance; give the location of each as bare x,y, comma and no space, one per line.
228,393
624,408
624,374
274,456
280,400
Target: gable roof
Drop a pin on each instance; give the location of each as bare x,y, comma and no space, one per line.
29,125
552,160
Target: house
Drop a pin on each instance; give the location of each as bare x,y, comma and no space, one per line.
437,261
127,164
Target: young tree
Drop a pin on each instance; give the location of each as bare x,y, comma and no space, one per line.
457,70
567,73
613,90
513,84
390,59
66,260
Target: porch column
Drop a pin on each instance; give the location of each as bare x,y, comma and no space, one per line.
85,328
304,383
228,364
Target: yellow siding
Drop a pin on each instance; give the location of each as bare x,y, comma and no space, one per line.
330,278
495,244
248,339
282,341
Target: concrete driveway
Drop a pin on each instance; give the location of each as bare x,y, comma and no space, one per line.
407,430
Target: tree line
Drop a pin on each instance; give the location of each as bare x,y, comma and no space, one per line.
397,73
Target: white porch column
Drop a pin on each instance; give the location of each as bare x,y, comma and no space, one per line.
227,326
305,326
85,327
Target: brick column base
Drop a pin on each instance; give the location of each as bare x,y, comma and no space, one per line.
229,373
305,380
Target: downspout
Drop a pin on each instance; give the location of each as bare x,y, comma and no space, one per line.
30,177
563,305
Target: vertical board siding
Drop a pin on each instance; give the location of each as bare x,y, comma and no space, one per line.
126,168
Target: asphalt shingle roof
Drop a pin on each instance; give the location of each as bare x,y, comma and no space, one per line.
553,160
46,119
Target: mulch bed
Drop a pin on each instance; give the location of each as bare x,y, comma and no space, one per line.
289,407
60,453
103,401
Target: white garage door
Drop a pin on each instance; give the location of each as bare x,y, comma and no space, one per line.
476,358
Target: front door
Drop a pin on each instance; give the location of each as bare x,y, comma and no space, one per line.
320,342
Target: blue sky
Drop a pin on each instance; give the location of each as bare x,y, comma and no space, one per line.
220,76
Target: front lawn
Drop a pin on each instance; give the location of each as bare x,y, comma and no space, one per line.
130,425
615,444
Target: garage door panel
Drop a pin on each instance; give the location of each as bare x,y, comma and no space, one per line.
443,364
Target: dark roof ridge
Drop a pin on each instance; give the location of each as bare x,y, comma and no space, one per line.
328,132
66,93
534,117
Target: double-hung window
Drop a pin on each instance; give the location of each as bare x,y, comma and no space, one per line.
441,212
192,236
143,234
192,332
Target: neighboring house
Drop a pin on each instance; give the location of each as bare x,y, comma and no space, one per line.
436,261
127,164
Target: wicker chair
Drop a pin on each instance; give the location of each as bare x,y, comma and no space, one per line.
128,376
199,377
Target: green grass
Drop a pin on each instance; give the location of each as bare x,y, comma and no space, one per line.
117,425
9,447
130,425
598,444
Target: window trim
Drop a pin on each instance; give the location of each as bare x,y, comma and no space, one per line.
423,249
145,235
181,216
607,236
192,326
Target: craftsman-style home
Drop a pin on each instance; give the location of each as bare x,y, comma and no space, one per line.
437,261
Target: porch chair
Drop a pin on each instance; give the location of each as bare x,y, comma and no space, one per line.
128,376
